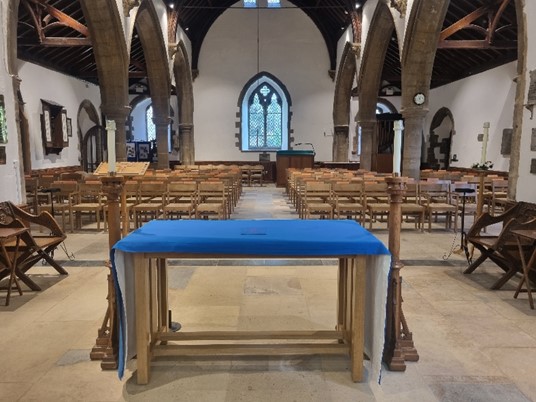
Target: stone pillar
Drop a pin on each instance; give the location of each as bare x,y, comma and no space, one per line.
186,144
413,133
162,129
118,114
341,144
368,131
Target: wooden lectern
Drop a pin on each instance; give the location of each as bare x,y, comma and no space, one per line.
292,159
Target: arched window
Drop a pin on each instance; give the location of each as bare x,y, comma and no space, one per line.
264,115
149,124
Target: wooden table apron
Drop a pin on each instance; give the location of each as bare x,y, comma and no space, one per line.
152,326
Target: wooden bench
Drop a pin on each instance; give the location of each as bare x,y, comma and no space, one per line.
502,249
35,247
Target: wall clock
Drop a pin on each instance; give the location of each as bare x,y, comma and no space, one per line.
419,98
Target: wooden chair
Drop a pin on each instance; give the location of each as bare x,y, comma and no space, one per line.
376,201
211,200
61,201
435,197
35,247
182,200
349,201
153,196
88,199
318,200
502,249
411,205
256,175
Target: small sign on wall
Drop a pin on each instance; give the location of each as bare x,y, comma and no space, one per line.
533,140
2,155
506,143
533,166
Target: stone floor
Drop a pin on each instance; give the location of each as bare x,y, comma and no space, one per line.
474,344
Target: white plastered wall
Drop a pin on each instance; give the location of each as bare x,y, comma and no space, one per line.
292,49
62,89
486,97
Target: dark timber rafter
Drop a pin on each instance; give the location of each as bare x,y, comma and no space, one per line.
43,13
494,11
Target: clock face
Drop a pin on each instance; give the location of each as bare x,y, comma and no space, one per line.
419,98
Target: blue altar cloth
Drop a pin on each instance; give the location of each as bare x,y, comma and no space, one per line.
250,239
269,238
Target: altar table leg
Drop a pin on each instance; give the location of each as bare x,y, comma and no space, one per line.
163,295
358,317
141,286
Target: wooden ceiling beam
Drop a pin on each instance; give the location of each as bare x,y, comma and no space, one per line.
476,44
56,42
468,20
59,15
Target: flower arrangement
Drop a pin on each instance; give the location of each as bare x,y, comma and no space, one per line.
483,166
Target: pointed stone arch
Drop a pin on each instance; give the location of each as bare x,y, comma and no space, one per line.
156,58
369,80
420,44
341,102
111,56
437,141
185,100
87,107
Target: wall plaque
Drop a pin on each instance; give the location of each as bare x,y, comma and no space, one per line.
533,140
533,166
506,143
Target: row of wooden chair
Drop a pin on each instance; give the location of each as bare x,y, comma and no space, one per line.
329,196
144,200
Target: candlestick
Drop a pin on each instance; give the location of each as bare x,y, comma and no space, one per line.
110,134
397,146
484,143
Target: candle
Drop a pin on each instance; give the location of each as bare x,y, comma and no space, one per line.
397,146
110,134
484,143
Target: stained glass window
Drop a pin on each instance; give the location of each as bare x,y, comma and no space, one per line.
274,3
151,129
265,111
265,118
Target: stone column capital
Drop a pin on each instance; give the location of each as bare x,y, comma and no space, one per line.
114,112
161,121
414,112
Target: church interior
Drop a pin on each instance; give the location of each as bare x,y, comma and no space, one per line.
406,123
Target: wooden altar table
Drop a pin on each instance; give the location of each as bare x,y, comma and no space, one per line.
141,283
